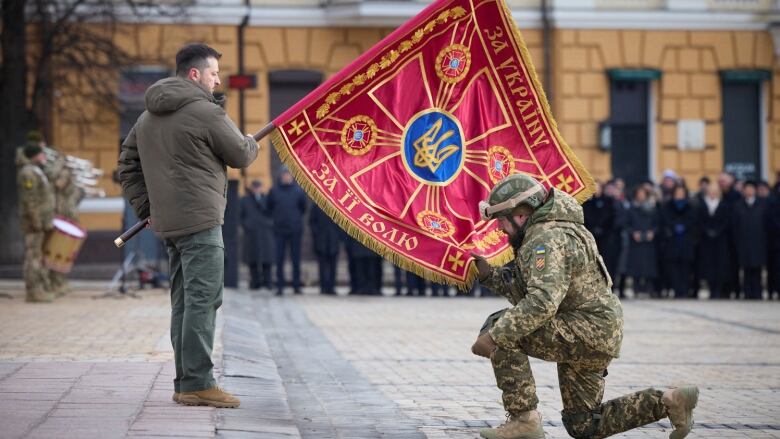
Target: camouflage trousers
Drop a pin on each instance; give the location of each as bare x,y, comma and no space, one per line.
58,282
36,275
581,373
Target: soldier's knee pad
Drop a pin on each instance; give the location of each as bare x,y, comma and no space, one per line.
581,425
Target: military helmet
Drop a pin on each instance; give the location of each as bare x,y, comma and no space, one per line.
512,191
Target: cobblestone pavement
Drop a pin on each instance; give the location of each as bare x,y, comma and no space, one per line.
355,367
87,368
416,351
78,327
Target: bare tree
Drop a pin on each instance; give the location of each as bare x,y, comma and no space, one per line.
66,47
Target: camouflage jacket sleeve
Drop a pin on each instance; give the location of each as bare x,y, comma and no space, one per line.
546,262
131,176
506,281
35,200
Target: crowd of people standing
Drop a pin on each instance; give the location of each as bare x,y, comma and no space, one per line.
273,224
664,241
656,240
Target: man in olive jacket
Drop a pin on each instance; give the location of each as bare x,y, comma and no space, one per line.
173,169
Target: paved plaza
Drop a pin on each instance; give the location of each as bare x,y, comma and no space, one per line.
355,367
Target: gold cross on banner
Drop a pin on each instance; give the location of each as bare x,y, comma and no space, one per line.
456,261
296,128
563,182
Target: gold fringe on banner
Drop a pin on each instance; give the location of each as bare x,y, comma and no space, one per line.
587,179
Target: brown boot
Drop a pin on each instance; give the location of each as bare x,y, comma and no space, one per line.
527,425
175,397
39,297
214,397
680,403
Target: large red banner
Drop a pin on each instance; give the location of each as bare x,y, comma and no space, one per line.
400,146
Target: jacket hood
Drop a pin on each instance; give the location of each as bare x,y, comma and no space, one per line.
559,207
170,94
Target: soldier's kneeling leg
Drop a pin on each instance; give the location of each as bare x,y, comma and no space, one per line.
581,425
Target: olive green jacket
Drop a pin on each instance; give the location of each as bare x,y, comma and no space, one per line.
558,278
173,163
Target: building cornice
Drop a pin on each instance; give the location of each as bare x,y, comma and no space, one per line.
394,13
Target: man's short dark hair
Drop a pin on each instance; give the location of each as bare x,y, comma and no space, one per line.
194,55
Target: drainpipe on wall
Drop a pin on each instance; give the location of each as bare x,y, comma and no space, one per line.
547,50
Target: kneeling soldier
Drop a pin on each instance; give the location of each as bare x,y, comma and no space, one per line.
563,311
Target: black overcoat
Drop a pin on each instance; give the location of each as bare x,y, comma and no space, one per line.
714,234
642,260
678,232
258,234
750,233
326,235
287,204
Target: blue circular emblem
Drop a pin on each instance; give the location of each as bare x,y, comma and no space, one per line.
433,147
358,136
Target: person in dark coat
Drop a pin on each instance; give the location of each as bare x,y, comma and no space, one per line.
616,189
415,285
437,289
601,220
258,238
362,267
731,196
326,240
677,225
750,234
713,247
377,265
642,227
773,233
287,204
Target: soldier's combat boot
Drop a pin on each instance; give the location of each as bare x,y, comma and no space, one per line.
680,403
39,297
175,397
214,397
527,425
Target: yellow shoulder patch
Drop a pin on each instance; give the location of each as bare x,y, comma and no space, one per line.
27,182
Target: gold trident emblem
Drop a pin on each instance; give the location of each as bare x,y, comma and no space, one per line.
427,146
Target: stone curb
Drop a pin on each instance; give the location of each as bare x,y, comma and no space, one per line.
249,371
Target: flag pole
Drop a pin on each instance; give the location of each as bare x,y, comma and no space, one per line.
140,225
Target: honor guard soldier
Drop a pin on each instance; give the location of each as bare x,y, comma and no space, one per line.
36,211
563,311
67,197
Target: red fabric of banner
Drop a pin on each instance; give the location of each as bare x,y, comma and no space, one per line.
401,145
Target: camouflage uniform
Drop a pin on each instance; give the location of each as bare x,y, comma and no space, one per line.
36,210
563,311
67,197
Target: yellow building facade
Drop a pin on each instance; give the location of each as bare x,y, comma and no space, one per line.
684,58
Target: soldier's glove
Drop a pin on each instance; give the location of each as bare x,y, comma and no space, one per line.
483,267
484,346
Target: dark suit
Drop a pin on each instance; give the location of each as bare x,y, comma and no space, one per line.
750,234
326,236
258,239
677,225
287,204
